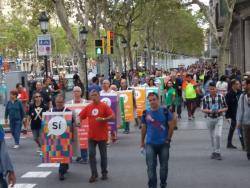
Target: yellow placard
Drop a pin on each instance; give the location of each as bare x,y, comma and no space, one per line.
140,98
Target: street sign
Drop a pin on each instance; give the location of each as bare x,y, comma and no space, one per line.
44,45
1,60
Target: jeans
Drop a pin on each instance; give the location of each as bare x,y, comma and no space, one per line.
16,127
191,106
246,134
92,156
84,154
215,129
152,151
3,182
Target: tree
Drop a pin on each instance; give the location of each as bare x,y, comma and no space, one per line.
221,37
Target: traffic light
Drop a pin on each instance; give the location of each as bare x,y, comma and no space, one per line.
110,42
99,46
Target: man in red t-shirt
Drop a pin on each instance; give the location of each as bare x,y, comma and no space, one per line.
24,98
98,114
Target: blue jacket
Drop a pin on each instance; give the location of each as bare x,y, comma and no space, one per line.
14,110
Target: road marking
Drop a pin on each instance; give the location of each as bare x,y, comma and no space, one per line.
24,185
36,174
49,165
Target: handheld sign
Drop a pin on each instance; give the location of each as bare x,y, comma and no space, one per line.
57,137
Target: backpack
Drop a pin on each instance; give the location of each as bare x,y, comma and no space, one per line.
165,112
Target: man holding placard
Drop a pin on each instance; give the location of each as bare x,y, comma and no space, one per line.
98,114
58,129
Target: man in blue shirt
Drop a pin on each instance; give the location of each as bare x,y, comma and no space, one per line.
94,85
158,125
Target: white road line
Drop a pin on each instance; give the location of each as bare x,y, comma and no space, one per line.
49,165
25,185
43,174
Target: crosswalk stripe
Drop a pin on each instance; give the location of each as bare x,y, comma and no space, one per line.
24,185
49,165
42,174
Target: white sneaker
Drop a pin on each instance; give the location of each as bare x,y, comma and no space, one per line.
16,146
38,150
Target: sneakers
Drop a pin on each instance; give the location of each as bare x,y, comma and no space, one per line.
16,146
61,177
125,132
216,156
104,177
38,150
231,146
93,179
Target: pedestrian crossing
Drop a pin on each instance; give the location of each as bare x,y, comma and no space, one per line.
39,174
8,136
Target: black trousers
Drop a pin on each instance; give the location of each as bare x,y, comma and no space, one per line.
63,168
231,133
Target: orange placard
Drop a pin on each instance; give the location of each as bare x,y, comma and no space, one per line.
128,104
140,98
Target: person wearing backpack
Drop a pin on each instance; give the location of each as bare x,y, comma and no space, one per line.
157,127
243,116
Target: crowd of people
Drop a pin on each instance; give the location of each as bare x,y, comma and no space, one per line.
224,100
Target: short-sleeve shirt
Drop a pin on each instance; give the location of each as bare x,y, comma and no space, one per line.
98,131
169,96
157,125
35,113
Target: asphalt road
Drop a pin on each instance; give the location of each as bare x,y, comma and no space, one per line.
190,165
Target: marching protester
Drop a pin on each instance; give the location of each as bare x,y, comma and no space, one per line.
170,96
15,112
190,96
45,94
82,157
107,90
94,85
60,107
36,110
6,166
158,126
243,117
232,98
222,85
98,114
24,98
214,105
123,87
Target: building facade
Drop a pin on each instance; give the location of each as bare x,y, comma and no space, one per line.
239,43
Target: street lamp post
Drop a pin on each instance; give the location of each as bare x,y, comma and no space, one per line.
124,45
83,38
44,25
136,48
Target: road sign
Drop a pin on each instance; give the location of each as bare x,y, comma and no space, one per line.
44,45
1,60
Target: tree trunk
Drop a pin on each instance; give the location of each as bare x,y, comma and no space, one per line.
63,18
223,60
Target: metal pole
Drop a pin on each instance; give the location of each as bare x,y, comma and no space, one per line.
86,73
46,65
